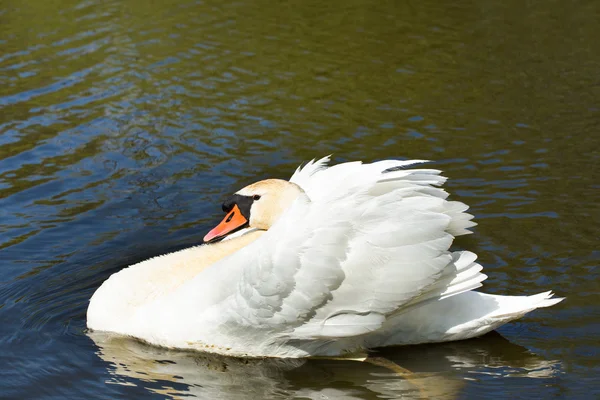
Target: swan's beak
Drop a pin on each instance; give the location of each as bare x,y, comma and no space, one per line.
233,221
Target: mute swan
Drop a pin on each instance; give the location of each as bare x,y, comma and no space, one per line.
338,259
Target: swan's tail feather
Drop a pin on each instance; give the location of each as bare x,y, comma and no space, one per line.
549,299
463,316
516,306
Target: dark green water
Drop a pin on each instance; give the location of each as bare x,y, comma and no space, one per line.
124,123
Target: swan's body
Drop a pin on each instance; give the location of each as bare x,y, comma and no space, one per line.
338,259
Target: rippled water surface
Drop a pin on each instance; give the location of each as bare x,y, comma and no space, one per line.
124,123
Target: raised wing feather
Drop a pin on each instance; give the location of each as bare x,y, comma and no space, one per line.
367,241
302,176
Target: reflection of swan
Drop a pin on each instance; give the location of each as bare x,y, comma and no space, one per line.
202,374
342,258
489,351
438,371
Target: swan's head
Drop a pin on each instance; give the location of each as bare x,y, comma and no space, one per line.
256,206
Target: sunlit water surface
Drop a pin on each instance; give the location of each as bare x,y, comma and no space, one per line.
124,124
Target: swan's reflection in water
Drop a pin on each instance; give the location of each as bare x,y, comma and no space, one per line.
437,371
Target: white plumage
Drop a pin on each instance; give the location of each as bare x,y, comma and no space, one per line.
357,258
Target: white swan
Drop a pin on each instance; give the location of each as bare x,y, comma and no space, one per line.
337,259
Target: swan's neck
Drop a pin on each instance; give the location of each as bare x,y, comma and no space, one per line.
187,264
211,253
162,275
120,298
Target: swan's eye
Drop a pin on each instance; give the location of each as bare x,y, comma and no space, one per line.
256,197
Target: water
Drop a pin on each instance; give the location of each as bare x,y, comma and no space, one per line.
124,124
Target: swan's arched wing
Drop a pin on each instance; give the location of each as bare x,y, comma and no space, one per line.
365,245
295,268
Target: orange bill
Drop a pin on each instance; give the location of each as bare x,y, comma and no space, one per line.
232,221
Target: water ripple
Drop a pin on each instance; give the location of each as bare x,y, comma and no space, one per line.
123,126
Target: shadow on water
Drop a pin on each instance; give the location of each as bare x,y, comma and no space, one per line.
437,371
